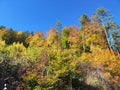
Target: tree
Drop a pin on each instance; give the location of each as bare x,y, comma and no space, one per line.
104,17
21,37
94,35
58,27
2,27
64,38
52,37
83,21
9,36
116,39
74,39
36,40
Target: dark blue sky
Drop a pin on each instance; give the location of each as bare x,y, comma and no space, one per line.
41,15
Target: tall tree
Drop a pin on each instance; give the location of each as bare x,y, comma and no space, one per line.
116,39
104,17
83,21
64,38
58,27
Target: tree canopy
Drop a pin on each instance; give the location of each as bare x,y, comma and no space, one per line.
68,58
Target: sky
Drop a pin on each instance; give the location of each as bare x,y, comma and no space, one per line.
41,15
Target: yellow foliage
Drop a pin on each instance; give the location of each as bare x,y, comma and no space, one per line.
103,57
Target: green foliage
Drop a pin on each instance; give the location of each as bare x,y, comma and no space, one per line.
64,38
84,19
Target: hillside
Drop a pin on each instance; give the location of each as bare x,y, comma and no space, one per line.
71,58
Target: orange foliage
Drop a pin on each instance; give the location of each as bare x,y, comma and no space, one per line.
94,35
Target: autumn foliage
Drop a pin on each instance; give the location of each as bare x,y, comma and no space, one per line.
74,59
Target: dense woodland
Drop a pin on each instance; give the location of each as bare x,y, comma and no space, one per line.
66,58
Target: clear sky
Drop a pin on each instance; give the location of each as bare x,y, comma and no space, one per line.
41,15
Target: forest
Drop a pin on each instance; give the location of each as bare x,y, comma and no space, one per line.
66,58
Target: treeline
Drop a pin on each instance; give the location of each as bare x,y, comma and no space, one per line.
10,36
74,58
